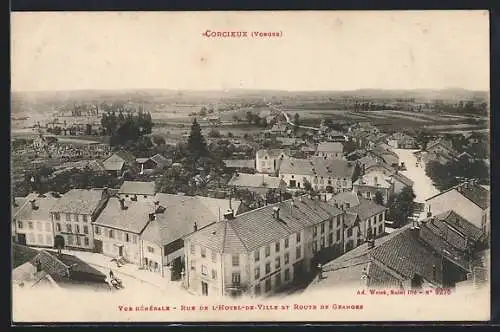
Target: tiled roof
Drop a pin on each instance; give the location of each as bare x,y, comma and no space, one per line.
369,180
113,165
256,228
240,163
133,219
44,205
81,201
22,254
20,201
256,180
160,160
77,265
444,143
141,160
461,224
330,147
181,212
475,193
125,155
403,179
346,197
350,219
137,187
367,209
317,166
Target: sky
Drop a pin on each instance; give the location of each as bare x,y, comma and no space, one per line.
317,51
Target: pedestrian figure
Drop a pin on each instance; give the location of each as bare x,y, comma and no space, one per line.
111,274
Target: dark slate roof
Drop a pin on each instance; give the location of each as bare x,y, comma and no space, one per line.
22,254
133,219
461,224
81,201
77,265
256,228
366,209
137,187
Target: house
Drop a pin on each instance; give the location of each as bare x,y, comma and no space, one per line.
329,175
440,150
156,162
385,154
137,190
72,216
268,161
402,141
469,200
117,163
371,183
175,217
330,150
240,164
118,227
32,220
409,258
49,268
17,203
260,251
257,183
278,128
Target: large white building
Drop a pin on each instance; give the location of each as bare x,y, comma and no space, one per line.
260,251
330,150
268,161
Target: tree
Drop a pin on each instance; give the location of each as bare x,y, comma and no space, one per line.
203,111
356,173
379,198
236,118
158,140
250,117
214,133
197,147
230,135
401,206
59,243
296,122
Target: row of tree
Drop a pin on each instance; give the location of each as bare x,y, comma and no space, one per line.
126,126
447,175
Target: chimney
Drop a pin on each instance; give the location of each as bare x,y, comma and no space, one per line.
229,215
122,204
14,201
151,216
195,226
434,272
371,243
276,212
38,266
33,204
157,203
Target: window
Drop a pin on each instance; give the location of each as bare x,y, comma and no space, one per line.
193,249
30,224
277,247
84,217
127,237
193,265
78,241
68,217
380,230
20,224
330,224
236,278
287,258
287,274
119,235
349,232
145,196
48,239
368,194
47,227
70,240
322,244
268,268
298,252
58,227
338,234
151,250
236,260
277,280
257,289
97,230
268,251
369,223
286,243
214,274
85,229
315,246
68,228
380,217
268,285
111,234
277,262
315,231
39,226
40,239
31,238
257,273
134,239
338,221
203,252
214,256
330,238
77,229
256,255
57,216
76,217
204,270
322,228
86,241
298,237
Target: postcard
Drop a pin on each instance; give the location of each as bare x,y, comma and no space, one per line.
323,166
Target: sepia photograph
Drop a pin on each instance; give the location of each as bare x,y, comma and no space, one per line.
324,166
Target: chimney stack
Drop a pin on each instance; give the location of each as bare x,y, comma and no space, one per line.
33,204
434,272
122,204
195,226
229,215
276,212
151,216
